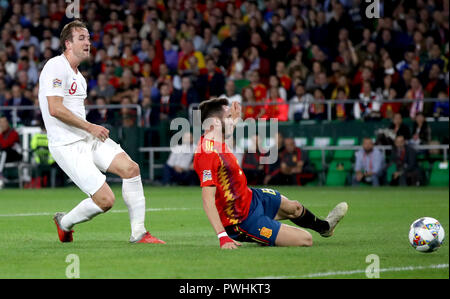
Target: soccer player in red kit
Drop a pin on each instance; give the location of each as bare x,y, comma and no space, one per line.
236,212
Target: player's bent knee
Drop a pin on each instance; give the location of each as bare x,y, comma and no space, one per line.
132,170
306,241
106,203
297,210
104,200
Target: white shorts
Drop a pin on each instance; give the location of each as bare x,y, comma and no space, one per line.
85,160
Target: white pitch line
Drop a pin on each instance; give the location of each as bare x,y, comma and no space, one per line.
112,211
334,273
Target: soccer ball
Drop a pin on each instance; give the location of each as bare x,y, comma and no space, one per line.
426,234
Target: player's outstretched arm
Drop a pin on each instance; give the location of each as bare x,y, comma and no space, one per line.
58,110
209,205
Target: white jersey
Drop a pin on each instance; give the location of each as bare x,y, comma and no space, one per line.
58,79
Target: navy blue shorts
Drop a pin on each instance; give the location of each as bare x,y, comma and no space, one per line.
259,226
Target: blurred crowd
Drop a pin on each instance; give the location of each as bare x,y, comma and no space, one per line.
401,165
166,55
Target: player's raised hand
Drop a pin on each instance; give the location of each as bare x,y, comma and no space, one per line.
236,111
99,132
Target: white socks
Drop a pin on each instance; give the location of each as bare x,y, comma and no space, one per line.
84,211
133,195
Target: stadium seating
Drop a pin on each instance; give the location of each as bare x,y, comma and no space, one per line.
389,172
316,155
301,141
344,155
424,166
439,174
317,159
338,173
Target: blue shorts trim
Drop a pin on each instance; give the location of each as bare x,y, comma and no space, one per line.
259,226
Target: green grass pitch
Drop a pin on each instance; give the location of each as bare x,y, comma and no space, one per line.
377,223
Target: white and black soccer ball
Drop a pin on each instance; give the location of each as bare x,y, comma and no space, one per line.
426,234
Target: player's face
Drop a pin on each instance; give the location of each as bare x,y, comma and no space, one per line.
80,44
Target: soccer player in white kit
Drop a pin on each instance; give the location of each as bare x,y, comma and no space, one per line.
83,150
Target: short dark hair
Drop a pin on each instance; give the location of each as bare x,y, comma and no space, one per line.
66,33
212,107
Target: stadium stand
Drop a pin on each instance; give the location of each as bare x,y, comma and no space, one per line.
342,75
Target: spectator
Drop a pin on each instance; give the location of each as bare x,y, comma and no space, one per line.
274,82
236,65
128,58
324,85
29,68
399,128
369,165
272,171
369,106
166,106
341,111
254,171
421,130
148,112
259,89
342,82
294,164
388,108
187,51
404,158
101,115
187,95
435,81
179,167
284,78
210,41
127,115
230,93
170,55
406,62
441,108
299,104
317,110
251,109
19,116
103,89
309,45
10,149
415,93
275,106
27,40
212,82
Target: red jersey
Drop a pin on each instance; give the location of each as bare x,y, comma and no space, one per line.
279,111
8,138
260,92
216,166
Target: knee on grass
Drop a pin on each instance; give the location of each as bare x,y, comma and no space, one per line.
305,241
